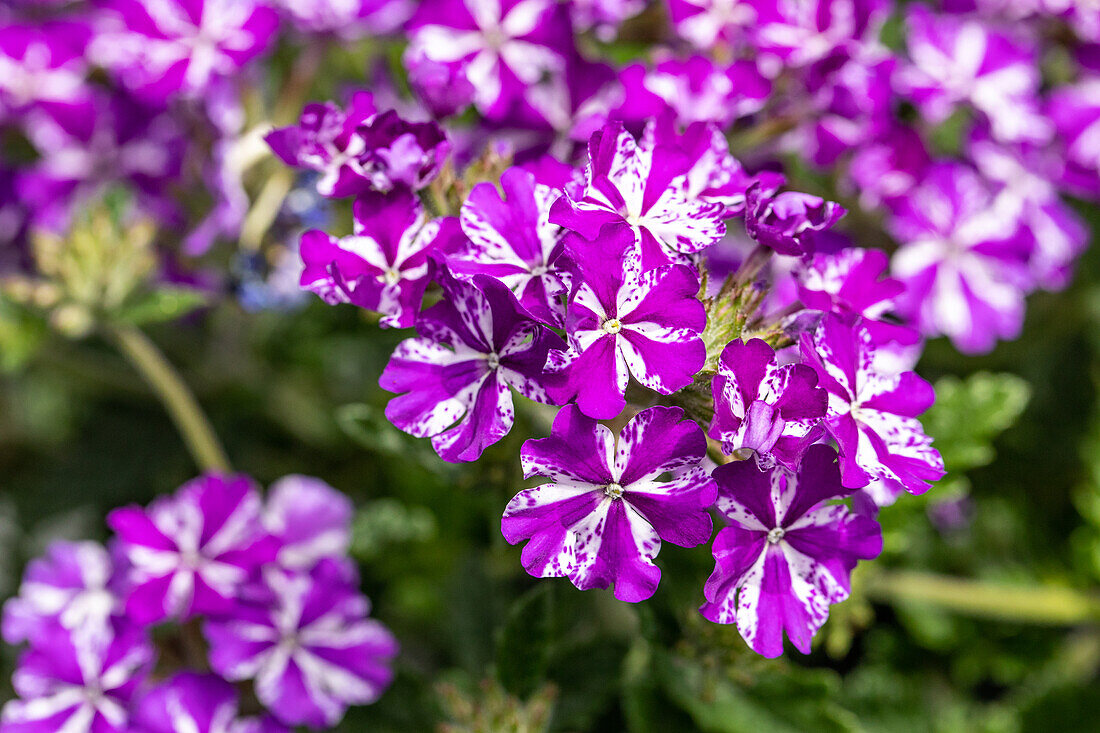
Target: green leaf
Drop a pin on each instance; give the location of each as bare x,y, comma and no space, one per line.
162,304
969,415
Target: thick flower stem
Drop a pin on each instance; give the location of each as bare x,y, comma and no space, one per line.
181,405
1022,604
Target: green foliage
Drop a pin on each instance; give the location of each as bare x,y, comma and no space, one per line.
969,414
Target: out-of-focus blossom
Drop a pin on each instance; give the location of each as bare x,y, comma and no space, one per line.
888,168
195,703
801,32
170,46
384,265
705,23
965,61
872,413
603,16
115,140
787,555
1075,112
602,518
307,642
347,18
642,186
623,324
512,239
1027,176
699,90
76,681
507,49
189,553
310,519
762,409
43,65
454,380
962,260
67,589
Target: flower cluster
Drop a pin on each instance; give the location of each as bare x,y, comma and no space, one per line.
266,582
622,242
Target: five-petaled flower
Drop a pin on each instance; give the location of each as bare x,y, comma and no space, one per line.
611,502
622,324
454,380
787,553
872,412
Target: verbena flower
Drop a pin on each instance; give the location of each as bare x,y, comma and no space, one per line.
454,380
623,324
196,703
164,48
307,642
763,409
189,553
643,187
43,65
512,239
958,60
309,519
67,588
383,265
507,49
611,501
788,553
788,222
872,413
962,260
71,680
347,18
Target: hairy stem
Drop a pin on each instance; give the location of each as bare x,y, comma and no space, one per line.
1046,605
190,420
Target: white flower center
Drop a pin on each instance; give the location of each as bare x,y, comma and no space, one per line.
775,534
611,326
392,276
614,490
493,360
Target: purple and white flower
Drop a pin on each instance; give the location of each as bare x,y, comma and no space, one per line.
872,412
643,186
383,266
454,380
162,48
1075,112
189,553
43,65
962,259
763,409
68,588
602,518
507,49
622,324
307,641
349,19
705,23
512,239
310,519
958,60
787,554
196,703
78,681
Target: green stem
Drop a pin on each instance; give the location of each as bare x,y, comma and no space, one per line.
1046,605
181,405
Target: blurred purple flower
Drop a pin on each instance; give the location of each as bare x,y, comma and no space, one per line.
189,553
307,641
310,519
